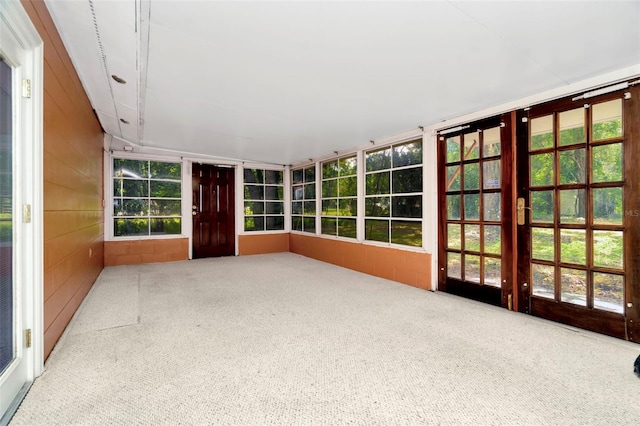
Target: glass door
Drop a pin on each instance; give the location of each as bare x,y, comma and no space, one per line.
7,347
13,372
475,233
575,213
21,215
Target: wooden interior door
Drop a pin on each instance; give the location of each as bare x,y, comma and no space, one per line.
213,211
579,230
475,205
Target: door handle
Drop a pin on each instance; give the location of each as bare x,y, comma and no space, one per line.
520,208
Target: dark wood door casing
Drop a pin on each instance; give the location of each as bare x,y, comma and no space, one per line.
631,196
627,324
213,211
522,246
503,295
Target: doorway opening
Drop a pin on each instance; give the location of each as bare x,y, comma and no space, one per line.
539,211
213,211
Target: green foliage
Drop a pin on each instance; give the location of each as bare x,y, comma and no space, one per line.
607,163
162,170
377,183
377,206
472,238
453,236
407,180
254,176
609,248
142,192
347,187
492,239
6,229
542,244
472,206
453,178
376,230
164,189
402,232
541,141
573,246
453,149
130,227
347,228
607,129
407,154
572,136
379,159
471,142
330,170
572,166
607,206
166,226
406,233
542,169
542,206
347,166
471,176
453,207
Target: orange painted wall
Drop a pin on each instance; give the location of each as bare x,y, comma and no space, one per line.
260,244
404,266
72,158
133,252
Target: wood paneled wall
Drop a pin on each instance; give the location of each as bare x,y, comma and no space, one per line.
73,185
133,252
408,267
261,244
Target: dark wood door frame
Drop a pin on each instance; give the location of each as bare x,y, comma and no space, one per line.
502,296
627,325
213,211
631,195
517,239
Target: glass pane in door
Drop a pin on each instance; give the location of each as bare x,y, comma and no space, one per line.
6,219
576,192
473,185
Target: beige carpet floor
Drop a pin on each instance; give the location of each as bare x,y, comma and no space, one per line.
282,339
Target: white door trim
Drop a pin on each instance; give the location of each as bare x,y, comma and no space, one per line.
22,46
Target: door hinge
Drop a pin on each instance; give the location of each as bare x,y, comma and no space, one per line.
26,213
26,88
27,338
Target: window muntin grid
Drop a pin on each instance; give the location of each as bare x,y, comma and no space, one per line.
147,198
303,199
393,194
263,200
340,197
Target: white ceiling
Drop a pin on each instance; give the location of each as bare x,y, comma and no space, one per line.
281,82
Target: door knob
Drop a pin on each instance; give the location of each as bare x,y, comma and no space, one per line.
194,207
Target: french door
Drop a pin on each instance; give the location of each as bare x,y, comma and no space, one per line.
18,255
577,214
475,188
540,211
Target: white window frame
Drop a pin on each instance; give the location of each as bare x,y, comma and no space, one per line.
185,196
315,199
390,170
286,212
320,179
